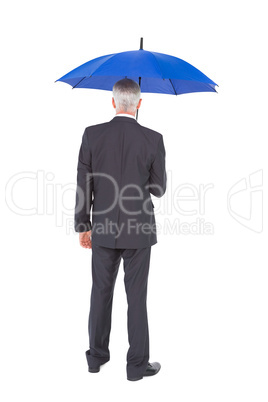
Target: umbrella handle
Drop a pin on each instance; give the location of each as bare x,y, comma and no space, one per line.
139,86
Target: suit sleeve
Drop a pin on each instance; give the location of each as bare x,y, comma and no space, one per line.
158,176
84,188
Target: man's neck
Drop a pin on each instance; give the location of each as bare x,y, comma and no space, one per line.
131,115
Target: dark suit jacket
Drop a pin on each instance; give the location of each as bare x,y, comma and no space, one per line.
120,163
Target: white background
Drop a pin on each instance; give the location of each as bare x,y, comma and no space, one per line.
207,296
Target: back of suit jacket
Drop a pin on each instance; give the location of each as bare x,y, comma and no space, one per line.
120,163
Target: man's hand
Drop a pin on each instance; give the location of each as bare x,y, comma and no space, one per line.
85,239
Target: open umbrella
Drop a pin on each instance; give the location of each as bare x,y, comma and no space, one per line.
155,73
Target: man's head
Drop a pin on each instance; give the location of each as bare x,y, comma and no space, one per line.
126,96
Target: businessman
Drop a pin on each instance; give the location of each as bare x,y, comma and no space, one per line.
120,164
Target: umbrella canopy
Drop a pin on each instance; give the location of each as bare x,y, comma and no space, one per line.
155,73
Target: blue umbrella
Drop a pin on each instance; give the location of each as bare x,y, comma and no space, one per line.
155,73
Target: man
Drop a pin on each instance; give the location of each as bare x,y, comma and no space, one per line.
120,163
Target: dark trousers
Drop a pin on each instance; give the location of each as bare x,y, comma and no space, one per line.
105,264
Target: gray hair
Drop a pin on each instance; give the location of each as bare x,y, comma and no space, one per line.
126,95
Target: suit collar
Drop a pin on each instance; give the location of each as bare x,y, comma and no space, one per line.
124,119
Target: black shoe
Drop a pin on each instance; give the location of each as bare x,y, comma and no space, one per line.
152,369
94,369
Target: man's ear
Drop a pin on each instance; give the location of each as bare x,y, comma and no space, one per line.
139,104
113,103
